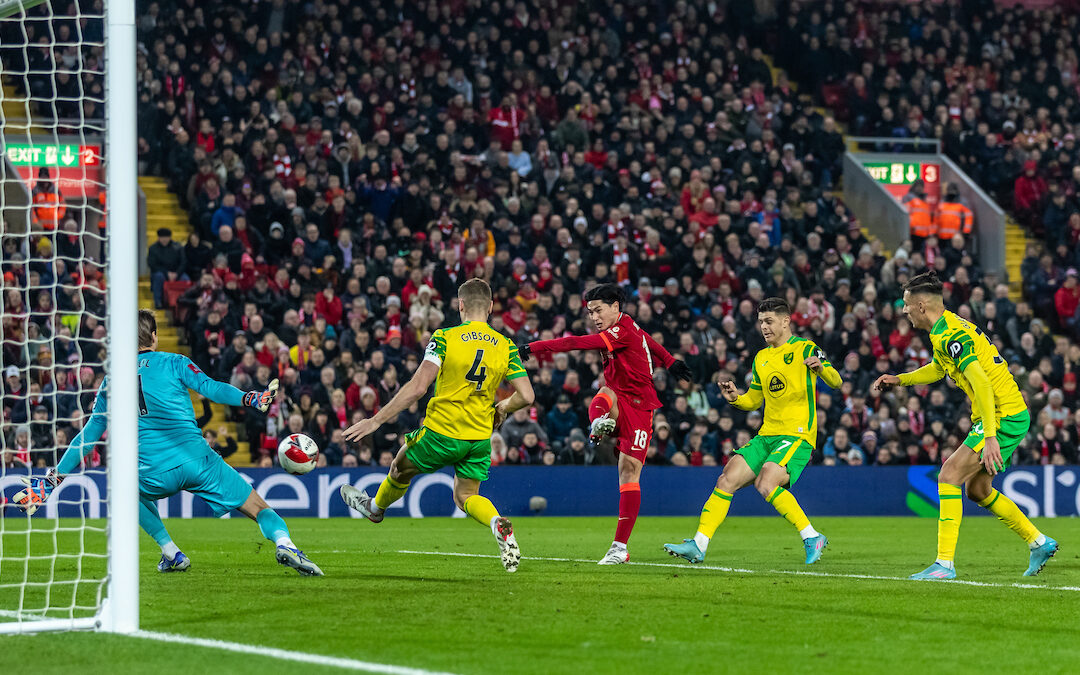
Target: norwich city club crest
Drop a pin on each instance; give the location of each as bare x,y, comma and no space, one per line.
789,357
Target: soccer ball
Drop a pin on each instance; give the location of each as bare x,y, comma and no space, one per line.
297,454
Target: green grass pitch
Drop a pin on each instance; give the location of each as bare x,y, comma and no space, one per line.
466,615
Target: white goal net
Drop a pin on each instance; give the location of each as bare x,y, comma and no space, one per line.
55,326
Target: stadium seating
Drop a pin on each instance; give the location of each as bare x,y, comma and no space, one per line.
689,169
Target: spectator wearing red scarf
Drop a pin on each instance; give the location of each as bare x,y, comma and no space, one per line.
205,136
597,156
514,318
1066,302
707,217
694,194
506,121
328,306
1028,192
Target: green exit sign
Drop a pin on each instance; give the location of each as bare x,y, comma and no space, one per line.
53,155
893,173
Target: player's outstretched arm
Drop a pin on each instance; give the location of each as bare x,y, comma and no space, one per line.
928,374
39,488
831,376
409,393
565,344
677,367
523,396
662,355
84,441
223,392
751,400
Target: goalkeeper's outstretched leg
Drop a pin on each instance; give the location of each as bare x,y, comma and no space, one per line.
172,558
273,527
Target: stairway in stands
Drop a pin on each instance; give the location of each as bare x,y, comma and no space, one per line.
1016,241
163,210
1016,237
13,115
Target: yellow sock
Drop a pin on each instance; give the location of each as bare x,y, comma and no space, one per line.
389,492
1009,513
714,512
480,509
948,527
786,505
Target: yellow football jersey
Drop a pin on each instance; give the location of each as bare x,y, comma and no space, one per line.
473,359
957,343
788,389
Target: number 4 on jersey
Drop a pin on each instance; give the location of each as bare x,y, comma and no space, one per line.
477,373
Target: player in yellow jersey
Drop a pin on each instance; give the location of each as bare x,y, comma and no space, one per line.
467,363
785,376
999,419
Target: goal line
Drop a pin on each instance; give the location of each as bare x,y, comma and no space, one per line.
287,655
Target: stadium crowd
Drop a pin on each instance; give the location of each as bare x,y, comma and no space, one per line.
347,165
998,86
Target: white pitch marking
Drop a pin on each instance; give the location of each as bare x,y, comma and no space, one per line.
739,570
287,655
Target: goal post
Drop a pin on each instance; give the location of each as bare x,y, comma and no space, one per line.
68,309
121,611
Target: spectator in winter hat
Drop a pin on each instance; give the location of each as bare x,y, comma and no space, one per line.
869,442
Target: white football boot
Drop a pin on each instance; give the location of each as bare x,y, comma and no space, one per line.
508,546
359,501
601,428
616,555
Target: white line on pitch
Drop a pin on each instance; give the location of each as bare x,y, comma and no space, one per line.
286,655
738,570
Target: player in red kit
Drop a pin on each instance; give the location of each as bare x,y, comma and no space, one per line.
625,405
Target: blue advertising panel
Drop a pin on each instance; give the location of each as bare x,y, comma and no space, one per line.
593,491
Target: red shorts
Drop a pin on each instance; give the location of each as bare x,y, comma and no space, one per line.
633,431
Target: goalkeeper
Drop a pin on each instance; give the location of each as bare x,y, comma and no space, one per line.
173,455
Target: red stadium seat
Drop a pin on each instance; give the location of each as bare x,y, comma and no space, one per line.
173,291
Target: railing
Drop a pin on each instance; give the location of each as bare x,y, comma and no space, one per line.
15,198
989,219
887,219
876,209
63,126
894,145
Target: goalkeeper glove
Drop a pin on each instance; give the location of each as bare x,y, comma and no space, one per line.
261,400
524,352
681,371
37,491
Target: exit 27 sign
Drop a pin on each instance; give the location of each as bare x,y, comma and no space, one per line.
68,156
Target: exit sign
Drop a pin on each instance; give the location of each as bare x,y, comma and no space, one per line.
894,173
65,156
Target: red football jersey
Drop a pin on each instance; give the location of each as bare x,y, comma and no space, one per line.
629,354
629,362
